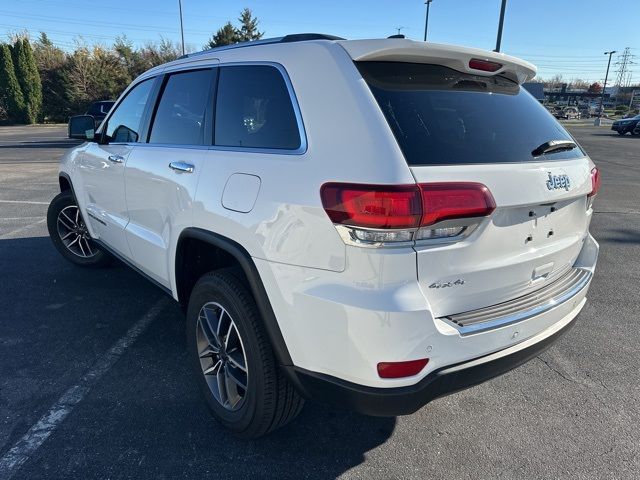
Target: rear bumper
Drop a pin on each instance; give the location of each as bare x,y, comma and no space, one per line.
447,380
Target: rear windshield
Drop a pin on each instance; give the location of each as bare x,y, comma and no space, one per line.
440,116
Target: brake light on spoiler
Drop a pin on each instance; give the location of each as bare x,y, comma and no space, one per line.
484,65
377,215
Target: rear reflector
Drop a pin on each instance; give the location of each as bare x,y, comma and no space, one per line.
595,182
484,65
401,369
445,201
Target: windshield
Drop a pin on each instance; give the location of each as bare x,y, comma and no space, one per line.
441,116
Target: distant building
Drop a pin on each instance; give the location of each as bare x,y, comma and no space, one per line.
571,96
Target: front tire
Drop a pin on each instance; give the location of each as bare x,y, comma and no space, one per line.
69,233
236,370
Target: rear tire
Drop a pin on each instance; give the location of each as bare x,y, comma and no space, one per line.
234,363
69,234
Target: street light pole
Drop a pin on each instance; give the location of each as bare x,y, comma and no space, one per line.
426,20
181,27
499,39
606,77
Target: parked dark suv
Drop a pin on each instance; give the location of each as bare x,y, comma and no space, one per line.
99,110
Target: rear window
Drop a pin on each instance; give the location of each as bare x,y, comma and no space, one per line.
440,116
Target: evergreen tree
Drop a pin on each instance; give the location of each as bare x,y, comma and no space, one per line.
11,98
29,79
226,35
248,27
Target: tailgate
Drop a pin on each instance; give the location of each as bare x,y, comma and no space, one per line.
534,235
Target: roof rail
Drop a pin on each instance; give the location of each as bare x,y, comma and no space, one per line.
296,37
303,37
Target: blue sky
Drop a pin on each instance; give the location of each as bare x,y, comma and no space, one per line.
567,37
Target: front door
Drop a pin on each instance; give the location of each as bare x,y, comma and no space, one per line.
102,170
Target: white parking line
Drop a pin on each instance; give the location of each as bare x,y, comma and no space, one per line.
27,202
38,433
7,235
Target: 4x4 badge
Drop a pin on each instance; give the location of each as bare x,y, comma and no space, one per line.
457,282
558,181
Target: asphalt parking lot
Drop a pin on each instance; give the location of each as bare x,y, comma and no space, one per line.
95,406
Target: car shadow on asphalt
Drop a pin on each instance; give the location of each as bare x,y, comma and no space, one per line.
145,418
613,134
622,235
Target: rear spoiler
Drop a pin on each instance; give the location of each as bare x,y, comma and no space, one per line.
452,56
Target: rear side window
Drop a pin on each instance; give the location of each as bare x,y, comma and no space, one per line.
180,115
254,109
440,116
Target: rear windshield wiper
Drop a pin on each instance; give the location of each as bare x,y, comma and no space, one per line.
553,146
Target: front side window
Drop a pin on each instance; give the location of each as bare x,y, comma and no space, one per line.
180,117
125,123
254,109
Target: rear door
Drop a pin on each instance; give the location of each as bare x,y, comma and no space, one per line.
459,127
102,169
162,174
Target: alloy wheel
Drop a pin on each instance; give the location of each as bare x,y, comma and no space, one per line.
74,234
222,356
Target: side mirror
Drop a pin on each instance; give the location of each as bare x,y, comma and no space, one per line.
82,127
123,134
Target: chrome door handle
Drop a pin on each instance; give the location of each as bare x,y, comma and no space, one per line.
116,158
181,167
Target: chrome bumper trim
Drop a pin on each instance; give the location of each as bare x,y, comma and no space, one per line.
535,303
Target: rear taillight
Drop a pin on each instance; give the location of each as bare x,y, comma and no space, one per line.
389,214
484,65
372,206
445,201
595,182
401,369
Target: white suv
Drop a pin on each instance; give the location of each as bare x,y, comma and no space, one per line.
373,223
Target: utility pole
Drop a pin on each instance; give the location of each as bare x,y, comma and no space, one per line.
606,77
399,28
499,39
426,20
181,27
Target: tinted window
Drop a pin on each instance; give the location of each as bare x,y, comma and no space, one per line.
125,123
253,109
441,116
180,117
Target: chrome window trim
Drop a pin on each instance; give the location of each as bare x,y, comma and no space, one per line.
302,149
547,305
